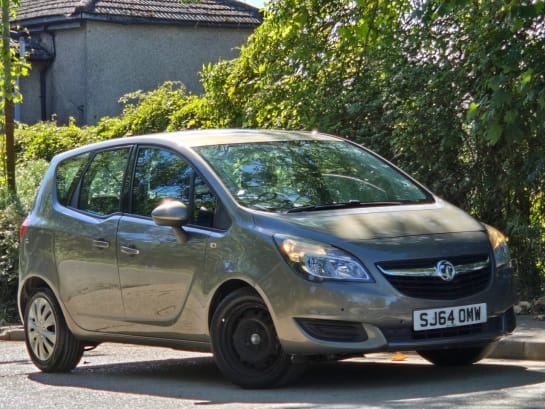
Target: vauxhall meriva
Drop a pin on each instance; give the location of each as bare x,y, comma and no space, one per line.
268,248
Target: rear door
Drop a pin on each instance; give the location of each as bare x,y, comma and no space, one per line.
87,218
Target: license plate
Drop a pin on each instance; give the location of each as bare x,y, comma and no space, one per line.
449,317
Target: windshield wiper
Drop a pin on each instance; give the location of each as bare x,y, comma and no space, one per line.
344,205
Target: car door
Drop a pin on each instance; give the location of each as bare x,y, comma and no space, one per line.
87,219
156,271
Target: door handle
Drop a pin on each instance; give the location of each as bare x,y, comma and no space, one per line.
131,251
101,244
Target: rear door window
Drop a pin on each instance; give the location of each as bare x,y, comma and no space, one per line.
101,187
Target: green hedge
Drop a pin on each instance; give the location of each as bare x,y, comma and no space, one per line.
29,174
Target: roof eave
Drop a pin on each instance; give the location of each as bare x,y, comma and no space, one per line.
159,21
80,17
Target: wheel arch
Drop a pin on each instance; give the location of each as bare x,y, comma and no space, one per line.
28,288
225,289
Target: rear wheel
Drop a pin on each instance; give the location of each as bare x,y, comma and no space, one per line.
49,342
457,356
245,344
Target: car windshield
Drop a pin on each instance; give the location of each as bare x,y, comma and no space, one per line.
307,175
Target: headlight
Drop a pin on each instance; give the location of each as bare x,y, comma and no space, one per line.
318,261
499,246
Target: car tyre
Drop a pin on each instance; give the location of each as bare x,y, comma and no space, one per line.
50,344
245,344
456,356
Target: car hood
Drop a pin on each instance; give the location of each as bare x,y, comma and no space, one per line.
386,222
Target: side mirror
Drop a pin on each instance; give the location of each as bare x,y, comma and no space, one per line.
174,214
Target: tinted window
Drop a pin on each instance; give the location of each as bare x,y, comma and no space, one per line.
67,177
101,186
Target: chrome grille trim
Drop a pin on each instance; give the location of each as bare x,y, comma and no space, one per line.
431,271
424,278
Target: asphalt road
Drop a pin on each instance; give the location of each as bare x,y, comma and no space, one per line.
120,376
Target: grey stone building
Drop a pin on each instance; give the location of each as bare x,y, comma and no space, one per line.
86,54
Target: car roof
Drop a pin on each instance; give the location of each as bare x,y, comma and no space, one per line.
235,136
207,137
210,137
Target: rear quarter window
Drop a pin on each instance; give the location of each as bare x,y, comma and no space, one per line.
67,176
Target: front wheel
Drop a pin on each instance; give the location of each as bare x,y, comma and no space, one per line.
245,344
456,356
49,342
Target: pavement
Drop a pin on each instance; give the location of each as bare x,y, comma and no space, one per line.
527,342
12,333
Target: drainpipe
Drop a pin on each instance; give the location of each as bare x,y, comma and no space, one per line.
43,91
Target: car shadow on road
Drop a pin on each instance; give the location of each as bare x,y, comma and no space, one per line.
349,382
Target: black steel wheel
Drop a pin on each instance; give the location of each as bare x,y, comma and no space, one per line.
245,344
456,356
49,342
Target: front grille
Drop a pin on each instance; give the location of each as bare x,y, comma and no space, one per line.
418,279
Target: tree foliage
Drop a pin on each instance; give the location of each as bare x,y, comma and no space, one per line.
12,66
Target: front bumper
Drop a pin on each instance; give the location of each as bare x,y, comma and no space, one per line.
336,318
332,336
407,339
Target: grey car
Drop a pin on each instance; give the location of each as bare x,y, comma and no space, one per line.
270,249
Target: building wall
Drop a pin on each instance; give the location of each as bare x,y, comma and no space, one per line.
29,86
66,79
99,62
